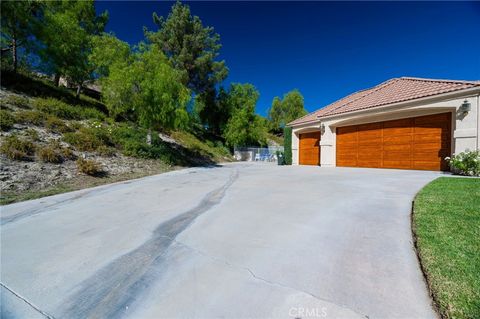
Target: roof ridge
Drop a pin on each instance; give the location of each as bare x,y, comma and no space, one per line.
439,80
317,111
370,91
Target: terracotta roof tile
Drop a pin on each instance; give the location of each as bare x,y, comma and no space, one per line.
388,92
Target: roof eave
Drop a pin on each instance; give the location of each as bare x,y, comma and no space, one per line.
462,92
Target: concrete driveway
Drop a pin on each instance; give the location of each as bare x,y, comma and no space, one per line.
238,241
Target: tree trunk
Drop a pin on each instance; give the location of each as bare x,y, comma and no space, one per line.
14,54
149,137
79,89
57,79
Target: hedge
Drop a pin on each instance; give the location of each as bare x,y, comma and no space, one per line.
287,134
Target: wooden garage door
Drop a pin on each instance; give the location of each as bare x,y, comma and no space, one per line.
413,143
309,151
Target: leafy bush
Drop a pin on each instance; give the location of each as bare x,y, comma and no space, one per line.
31,117
17,149
287,133
67,153
32,134
106,150
88,139
18,101
50,154
89,167
67,111
54,152
466,163
56,125
6,120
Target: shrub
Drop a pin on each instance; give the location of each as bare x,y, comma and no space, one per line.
17,149
89,167
66,111
32,134
466,163
56,125
31,117
67,153
287,133
88,139
6,120
18,101
106,150
50,154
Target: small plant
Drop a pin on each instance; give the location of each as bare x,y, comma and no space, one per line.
18,101
67,153
56,125
31,117
88,139
32,134
17,149
89,167
6,120
106,150
67,111
50,154
466,163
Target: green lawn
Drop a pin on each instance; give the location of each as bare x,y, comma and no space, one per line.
446,221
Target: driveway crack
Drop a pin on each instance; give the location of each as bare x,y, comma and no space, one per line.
18,296
264,280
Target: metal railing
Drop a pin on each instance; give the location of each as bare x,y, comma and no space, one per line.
257,154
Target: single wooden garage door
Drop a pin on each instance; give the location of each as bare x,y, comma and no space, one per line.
309,150
412,143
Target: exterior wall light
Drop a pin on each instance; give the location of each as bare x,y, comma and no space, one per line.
465,107
322,128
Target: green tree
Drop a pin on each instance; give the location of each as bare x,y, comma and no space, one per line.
18,24
192,49
66,38
108,50
286,110
148,87
244,127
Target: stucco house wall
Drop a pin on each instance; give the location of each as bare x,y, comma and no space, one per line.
465,127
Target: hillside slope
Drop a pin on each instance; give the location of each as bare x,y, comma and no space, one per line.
52,142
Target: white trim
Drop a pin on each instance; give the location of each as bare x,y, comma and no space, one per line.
455,94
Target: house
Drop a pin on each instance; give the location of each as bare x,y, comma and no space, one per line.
406,123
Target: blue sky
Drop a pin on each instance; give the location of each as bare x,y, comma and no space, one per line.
326,49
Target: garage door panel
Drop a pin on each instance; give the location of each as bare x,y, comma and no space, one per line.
346,130
406,164
428,166
412,143
392,140
370,164
430,138
436,118
398,147
403,123
428,157
309,150
348,137
396,156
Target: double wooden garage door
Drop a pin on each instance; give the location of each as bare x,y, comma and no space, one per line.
411,143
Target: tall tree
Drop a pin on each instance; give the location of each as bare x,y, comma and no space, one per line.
193,49
286,110
244,127
66,37
147,86
18,24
